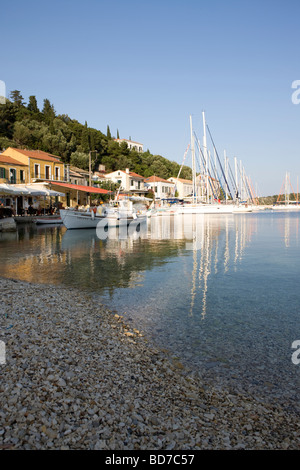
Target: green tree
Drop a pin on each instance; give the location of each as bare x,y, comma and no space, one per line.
108,134
32,104
48,110
17,98
80,160
22,135
85,140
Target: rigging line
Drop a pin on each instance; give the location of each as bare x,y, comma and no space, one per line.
210,177
249,189
246,185
215,169
233,182
219,162
184,157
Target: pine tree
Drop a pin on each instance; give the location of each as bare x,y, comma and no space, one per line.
17,98
118,135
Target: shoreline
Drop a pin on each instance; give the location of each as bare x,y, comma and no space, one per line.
77,377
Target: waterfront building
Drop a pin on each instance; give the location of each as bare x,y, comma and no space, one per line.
128,181
161,188
12,171
183,187
40,166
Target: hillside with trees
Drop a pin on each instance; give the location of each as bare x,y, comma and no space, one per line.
24,125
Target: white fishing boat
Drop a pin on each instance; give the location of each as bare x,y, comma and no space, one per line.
112,216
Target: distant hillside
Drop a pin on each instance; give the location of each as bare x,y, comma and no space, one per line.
271,200
25,126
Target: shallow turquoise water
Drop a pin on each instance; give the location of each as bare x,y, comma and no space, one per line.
220,293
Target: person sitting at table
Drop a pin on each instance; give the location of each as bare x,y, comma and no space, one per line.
30,209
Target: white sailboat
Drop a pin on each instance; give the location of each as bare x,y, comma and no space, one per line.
196,206
288,204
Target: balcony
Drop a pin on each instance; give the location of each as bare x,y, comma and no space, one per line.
46,177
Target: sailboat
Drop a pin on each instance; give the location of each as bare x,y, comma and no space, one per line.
196,206
288,204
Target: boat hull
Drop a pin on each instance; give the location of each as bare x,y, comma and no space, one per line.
205,209
85,220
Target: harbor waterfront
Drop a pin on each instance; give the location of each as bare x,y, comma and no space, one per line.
176,336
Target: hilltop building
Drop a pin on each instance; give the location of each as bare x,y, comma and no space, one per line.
131,144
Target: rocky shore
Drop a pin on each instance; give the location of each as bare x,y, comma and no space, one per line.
77,377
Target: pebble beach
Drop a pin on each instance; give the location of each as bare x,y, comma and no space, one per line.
77,377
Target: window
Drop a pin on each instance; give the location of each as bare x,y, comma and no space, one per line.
12,175
47,172
2,173
22,176
57,173
36,170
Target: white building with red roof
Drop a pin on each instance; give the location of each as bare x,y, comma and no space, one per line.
162,188
128,180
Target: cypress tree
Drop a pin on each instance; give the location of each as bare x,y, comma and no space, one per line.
32,104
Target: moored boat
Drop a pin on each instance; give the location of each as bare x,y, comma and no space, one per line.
48,220
118,216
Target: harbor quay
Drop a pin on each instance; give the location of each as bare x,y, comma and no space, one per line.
76,376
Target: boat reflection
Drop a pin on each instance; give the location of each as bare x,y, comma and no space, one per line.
211,245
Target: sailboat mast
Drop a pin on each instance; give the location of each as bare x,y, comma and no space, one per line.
241,181
205,155
193,160
236,180
226,175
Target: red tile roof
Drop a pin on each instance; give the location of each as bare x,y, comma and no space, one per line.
182,180
154,179
10,160
39,154
135,175
77,187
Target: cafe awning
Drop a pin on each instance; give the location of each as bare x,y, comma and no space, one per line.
77,187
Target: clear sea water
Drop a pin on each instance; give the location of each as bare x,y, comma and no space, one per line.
219,294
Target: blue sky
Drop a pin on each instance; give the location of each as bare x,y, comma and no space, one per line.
143,67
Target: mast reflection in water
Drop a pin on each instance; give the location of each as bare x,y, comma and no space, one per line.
219,293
